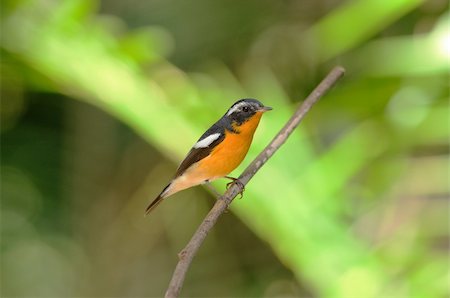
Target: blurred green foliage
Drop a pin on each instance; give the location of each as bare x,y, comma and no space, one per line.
355,204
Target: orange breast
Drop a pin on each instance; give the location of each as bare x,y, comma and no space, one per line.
222,160
231,151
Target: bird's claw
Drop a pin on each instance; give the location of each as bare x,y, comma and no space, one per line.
238,182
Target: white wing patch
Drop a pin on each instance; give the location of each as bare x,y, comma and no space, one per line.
236,108
203,143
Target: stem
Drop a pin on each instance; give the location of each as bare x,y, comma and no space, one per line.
188,253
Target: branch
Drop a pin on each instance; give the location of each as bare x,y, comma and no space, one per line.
188,253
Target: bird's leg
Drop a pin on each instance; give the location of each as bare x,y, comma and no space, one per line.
237,181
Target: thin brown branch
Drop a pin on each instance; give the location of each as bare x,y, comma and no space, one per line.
188,253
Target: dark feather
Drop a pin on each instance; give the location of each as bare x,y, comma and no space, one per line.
156,201
197,154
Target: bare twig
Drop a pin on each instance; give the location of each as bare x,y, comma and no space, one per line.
188,253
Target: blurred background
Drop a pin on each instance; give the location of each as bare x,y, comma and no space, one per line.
100,101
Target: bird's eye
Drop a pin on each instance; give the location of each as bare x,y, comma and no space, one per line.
245,109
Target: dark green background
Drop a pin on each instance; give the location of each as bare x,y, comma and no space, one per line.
101,100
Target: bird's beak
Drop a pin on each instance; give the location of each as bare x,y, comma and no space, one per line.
265,109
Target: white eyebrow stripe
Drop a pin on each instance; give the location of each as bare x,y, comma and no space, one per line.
236,108
207,141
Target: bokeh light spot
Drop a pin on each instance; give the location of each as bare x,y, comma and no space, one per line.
408,107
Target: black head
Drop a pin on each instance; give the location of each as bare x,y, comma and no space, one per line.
242,110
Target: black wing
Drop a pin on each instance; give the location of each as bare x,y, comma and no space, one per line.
197,154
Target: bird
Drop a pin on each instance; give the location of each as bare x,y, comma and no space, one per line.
219,150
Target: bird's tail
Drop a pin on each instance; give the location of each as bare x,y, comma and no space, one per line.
158,199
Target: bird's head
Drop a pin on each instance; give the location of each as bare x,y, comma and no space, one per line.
245,110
